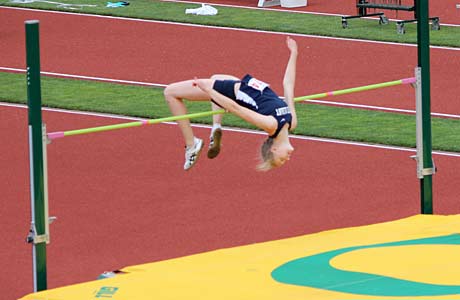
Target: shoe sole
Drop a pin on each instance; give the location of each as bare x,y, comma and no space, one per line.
215,149
197,156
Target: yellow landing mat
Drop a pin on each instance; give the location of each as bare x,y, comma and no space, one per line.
413,258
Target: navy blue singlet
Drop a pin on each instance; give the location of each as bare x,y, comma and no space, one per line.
257,95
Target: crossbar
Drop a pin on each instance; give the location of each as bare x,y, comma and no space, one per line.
357,89
61,134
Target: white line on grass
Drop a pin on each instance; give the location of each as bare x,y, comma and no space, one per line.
86,77
333,103
381,108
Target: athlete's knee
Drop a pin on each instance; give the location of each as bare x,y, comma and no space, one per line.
169,94
167,91
172,90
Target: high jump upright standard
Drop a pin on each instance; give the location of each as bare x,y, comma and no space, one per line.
425,165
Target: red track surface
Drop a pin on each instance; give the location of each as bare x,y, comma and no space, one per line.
121,197
103,47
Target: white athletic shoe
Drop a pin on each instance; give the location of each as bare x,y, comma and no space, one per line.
192,153
214,143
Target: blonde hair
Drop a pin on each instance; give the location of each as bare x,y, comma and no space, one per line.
266,155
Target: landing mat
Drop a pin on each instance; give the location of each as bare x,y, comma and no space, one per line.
413,258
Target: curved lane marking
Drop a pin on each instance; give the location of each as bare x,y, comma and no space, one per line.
316,271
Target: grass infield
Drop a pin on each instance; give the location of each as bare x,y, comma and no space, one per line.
314,120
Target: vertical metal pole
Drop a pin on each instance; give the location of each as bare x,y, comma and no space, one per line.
423,42
37,188
48,219
419,122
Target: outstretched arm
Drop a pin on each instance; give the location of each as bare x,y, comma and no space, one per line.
289,79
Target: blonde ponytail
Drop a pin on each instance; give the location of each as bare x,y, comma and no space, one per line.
266,154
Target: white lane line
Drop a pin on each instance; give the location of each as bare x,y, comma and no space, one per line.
248,131
229,28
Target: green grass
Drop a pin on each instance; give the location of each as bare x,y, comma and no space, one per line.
314,120
263,20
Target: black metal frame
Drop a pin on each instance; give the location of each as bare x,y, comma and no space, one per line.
363,5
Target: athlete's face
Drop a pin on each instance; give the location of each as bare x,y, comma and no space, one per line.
282,153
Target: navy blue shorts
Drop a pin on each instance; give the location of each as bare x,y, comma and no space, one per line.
226,87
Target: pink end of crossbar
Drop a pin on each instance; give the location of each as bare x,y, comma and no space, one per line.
145,122
55,135
408,80
330,93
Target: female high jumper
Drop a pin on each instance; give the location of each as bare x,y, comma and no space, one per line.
250,99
